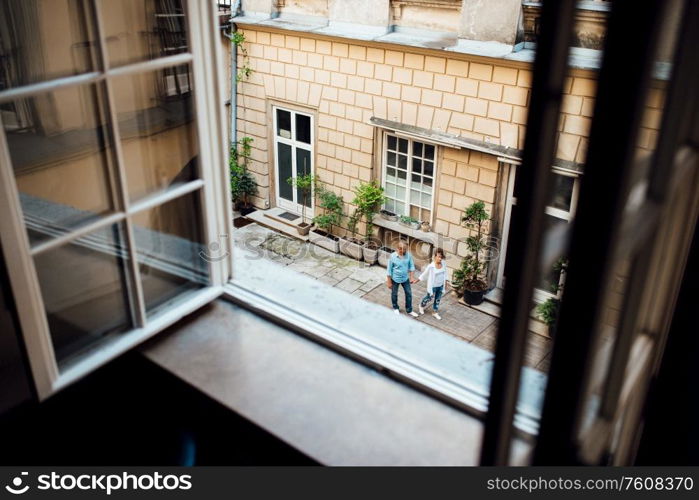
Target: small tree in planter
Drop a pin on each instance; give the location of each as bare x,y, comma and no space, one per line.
352,247
368,199
331,204
303,183
243,183
469,279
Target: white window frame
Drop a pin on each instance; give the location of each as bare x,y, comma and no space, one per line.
384,166
510,200
205,58
294,206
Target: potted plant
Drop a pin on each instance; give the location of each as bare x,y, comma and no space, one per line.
410,222
388,215
368,199
547,311
384,254
424,226
352,247
469,278
243,183
304,183
331,204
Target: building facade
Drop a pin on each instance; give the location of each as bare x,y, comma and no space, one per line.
427,98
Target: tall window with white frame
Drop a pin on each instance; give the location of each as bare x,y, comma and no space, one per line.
104,186
293,146
408,177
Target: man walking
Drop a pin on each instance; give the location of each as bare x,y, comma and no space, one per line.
400,273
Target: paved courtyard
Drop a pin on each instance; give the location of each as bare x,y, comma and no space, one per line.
368,282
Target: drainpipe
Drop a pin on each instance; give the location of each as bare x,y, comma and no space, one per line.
234,77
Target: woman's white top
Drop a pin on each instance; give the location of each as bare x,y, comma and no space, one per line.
435,277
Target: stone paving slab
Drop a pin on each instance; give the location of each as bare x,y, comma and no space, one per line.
368,282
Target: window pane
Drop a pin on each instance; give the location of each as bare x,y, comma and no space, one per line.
417,165
429,168
283,124
414,197
403,162
417,148
84,289
390,205
172,256
392,143
284,171
390,190
139,31
426,200
562,193
303,167
416,181
61,161
403,145
44,39
158,134
391,174
303,128
402,176
427,184
400,192
391,159
400,208
429,152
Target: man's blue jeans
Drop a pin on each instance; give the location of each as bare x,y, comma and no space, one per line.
408,295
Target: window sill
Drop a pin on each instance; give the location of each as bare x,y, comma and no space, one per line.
333,409
436,239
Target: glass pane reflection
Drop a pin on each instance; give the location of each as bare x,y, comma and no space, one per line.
172,256
61,161
84,288
158,132
42,40
142,30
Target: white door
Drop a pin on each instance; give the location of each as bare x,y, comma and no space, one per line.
293,153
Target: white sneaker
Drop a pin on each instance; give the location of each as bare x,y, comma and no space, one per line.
421,309
436,316
397,311
414,314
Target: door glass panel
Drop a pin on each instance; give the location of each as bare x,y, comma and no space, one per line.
62,161
158,134
303,128
140,31
303,167
284,171
284,124
68,50
555,231
562,192
84,289
173,259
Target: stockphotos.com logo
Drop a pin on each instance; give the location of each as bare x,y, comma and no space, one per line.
103,482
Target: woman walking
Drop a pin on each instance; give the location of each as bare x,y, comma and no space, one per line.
436,275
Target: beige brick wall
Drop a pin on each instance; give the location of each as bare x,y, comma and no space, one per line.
347,83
